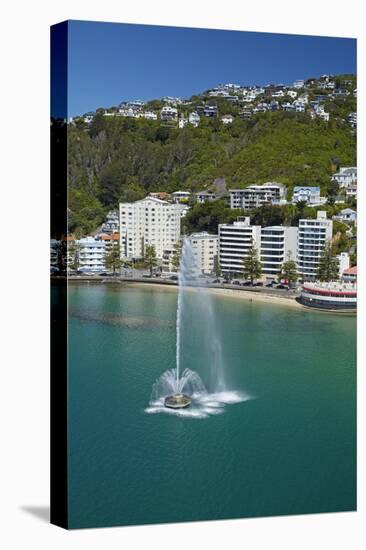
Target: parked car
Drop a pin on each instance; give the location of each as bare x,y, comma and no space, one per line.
246,283
236,282
282,287
259,284
174,278
216,281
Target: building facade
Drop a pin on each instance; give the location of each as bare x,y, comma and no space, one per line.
205,196
235,239
346,176
149,221
111,224
256,195
205,249
277,243
310,195
312,238
91,253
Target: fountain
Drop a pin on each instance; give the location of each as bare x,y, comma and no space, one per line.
183,392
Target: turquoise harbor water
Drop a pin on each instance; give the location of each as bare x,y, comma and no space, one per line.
290,449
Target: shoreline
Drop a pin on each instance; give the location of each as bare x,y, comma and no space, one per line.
248,295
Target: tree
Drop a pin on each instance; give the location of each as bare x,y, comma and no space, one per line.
112,259
73,254
252,266
289,269
176,254
329,264
150,259
216,266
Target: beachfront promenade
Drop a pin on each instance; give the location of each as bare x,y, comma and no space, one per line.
269,294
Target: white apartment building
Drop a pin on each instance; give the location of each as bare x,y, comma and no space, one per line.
205,248
276,244
310,195
149,221
235,239
298,84
256,195
344,263
194,119
169,113
313,236
150,115
346,176
91,254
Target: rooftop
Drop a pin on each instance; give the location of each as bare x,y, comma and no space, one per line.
350,271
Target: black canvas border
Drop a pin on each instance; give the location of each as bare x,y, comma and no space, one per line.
58,375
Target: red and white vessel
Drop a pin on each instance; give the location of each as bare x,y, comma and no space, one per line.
331,296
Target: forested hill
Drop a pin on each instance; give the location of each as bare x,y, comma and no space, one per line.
122,159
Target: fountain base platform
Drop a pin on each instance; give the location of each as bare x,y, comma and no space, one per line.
177,401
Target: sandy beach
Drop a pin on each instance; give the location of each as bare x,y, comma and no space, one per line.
237,294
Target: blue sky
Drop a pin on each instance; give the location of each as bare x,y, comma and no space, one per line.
111,62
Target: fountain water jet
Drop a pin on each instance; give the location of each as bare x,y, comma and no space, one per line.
176,390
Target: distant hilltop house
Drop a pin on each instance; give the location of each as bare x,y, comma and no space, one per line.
346,176
194,119
172,100
310,195
246,114
346,215
205,196
207,110
89,117
254,196
169,113
111,224
298,83
150,115
278,93
292,93
351,191
181,196
227,119
352,119
341,93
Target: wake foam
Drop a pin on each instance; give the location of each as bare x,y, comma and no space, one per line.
202,406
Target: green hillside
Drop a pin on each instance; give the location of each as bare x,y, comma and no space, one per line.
121,159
